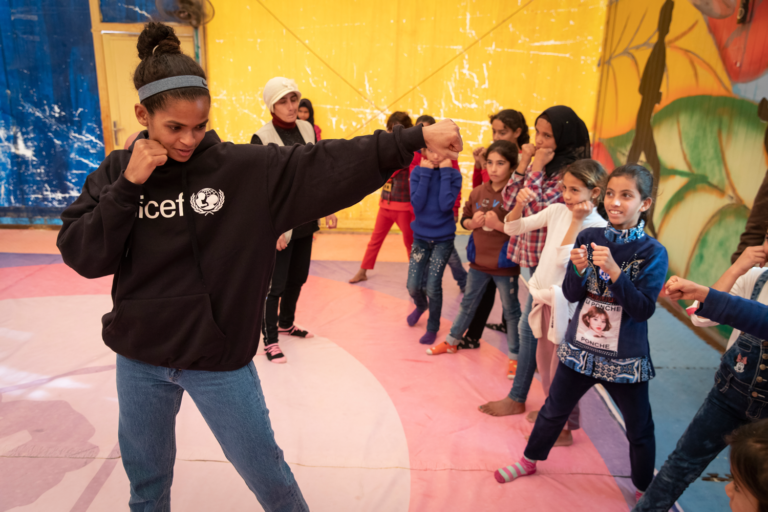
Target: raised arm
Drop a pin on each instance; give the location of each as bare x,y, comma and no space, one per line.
638,298
313,181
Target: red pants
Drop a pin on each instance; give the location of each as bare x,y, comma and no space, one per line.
384,220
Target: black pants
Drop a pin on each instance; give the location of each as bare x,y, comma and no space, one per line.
568,386
290,274
476,326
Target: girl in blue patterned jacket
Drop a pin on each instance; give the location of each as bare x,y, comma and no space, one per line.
616,277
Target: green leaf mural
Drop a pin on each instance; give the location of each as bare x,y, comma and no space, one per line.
712,163
712,156
719,137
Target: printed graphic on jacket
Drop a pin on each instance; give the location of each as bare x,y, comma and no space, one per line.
600,316
599,326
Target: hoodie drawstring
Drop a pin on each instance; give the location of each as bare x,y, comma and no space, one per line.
191,226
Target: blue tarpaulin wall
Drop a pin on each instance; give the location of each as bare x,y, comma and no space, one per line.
50,121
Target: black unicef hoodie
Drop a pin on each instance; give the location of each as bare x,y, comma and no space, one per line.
192,249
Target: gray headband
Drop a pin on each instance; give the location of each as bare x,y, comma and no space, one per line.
174,82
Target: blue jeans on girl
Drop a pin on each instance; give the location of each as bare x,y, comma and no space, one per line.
430,258
526,356
567,388
232,404
740,396
477,281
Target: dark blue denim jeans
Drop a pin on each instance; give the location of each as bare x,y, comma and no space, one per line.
740,396
476,284
430,258
568,386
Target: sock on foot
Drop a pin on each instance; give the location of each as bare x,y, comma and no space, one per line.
414,317
523,468
429,338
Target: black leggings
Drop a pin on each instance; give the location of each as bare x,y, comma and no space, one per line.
290,274
476,326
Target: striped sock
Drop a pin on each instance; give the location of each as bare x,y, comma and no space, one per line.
523,468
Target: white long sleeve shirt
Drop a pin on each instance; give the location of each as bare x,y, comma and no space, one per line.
555,256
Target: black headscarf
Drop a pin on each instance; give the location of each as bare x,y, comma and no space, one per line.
571,136
308,105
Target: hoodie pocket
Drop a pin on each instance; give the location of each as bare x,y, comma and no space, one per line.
178,332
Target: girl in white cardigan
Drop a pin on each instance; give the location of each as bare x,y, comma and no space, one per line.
582,183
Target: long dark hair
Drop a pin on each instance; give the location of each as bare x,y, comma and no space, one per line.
401,118
161,57
643,181
506,149
749,460
513,120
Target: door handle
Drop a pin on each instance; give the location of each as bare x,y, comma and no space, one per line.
115,129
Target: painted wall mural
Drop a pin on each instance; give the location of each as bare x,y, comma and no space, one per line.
681,84
50,120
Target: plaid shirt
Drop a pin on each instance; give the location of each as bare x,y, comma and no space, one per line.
400,187
525,249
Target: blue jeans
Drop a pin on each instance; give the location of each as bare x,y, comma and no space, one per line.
476,285
526,358
430,258
457,270
232,404
735,400
568,386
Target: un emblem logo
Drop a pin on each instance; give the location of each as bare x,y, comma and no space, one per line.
207,201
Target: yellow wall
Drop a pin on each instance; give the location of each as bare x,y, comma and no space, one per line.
358,61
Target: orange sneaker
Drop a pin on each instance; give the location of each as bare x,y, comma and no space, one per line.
443,348
512,369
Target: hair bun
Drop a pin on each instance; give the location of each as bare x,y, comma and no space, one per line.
157,38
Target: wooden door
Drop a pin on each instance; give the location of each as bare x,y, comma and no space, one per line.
121,59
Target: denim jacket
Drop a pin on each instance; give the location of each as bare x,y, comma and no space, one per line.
744,366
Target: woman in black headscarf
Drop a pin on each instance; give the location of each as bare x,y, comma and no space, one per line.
307,113
561,138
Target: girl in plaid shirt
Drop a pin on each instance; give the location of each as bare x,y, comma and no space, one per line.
561,139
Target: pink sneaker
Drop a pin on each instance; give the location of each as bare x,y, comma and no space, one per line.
274,354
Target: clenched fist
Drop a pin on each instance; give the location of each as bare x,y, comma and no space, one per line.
147,155
444,139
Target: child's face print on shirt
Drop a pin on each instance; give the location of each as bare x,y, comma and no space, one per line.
599,326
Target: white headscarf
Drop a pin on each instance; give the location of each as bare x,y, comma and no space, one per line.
278,87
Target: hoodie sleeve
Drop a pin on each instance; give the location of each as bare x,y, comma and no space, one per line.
97,225
308,182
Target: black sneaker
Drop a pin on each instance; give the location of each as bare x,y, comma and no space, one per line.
274,354
497,327
295,331
467,342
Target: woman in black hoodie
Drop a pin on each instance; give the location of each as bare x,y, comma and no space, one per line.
188,226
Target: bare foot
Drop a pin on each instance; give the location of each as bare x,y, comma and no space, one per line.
360,276
531,416
504,407
564,439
